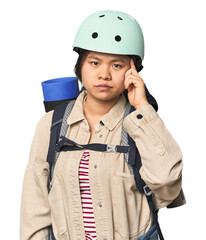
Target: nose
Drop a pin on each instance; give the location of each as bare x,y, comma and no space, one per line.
104,73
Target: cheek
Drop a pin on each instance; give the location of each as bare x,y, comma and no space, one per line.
121,78
87,77
85,74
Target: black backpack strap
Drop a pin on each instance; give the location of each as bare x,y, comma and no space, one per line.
135,161
152,101
55,131
57,119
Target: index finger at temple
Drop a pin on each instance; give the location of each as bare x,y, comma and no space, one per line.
132,63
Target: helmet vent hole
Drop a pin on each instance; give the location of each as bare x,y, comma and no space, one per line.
118,38
120,18
101,15
95,35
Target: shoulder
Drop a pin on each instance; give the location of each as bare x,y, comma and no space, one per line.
40,143
43,126
45,121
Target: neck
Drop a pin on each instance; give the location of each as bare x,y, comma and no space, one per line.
98,108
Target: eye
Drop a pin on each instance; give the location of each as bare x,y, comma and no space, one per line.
117,66
94,63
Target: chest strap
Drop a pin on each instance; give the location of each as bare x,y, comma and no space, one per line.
66,144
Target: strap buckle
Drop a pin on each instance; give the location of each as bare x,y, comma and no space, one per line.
111,148
147,190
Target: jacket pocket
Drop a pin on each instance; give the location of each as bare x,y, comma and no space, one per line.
131,214
63,235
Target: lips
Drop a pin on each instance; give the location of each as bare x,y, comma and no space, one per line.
103,87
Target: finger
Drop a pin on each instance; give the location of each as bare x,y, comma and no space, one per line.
139,79
131,83
132,64
133,76
132,80
132,71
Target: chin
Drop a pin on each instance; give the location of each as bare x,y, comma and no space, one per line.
108,98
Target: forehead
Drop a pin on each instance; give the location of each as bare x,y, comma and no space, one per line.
108,56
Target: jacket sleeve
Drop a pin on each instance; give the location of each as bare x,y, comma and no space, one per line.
160,154
35,211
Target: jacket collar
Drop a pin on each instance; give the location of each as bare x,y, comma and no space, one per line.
115,114
110,119
77,113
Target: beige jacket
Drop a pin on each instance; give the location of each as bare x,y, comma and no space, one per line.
121,212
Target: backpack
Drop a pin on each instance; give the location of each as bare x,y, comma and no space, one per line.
58,143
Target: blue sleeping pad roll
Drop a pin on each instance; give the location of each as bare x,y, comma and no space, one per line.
59,90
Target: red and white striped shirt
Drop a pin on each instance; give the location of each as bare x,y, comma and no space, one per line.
86,198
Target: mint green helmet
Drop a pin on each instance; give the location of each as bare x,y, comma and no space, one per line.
112,32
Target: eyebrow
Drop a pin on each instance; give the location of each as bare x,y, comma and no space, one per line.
114,60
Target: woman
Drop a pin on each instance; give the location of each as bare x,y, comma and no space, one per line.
94,194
